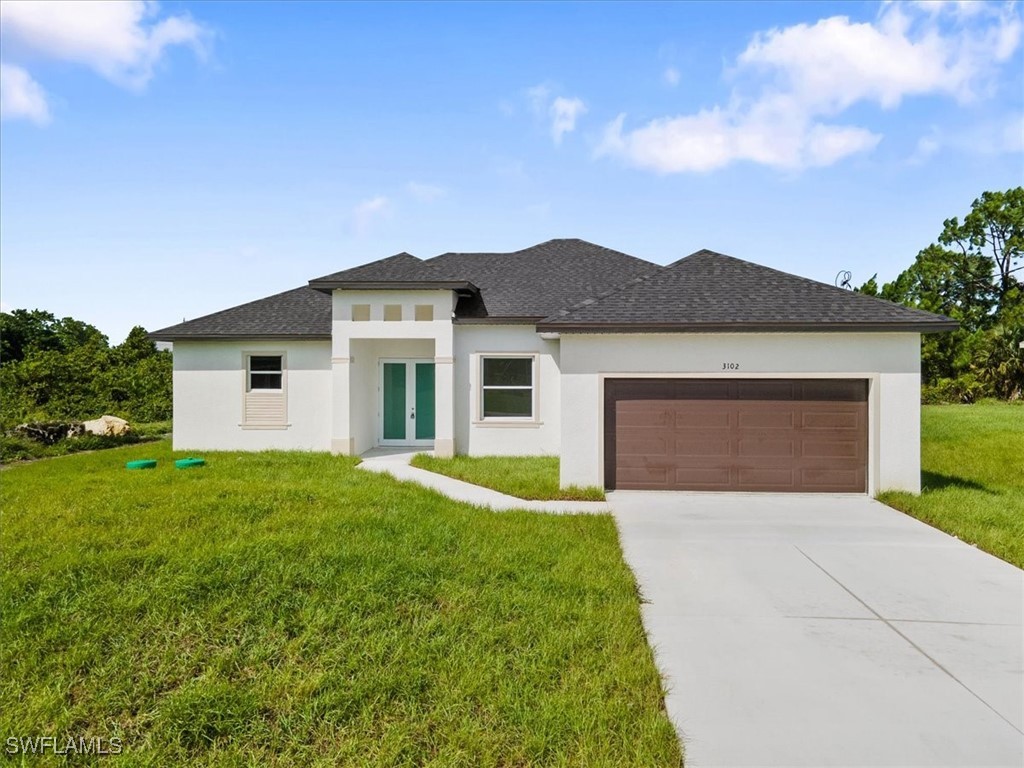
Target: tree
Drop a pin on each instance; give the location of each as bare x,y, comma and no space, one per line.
137,346
25,329
971,275
949,283
995,229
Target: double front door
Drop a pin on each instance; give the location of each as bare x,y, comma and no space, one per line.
407,402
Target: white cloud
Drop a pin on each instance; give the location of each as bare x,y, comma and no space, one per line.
560,112
368,211
425,193
793,82
927,146
537,97
564,113
122,41
21,97
712,139
671,77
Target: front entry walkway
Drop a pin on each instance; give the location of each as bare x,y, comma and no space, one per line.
804,630
395,461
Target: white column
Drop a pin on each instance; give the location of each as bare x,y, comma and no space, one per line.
341,397
444,407
899,432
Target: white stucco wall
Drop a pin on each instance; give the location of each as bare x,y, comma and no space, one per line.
478,437
209,385
889,361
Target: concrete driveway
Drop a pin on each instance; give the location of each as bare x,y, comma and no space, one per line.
826,631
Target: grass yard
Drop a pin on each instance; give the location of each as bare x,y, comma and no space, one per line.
972,459
526,477
287,609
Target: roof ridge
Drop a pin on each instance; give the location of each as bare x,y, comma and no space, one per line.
604,295
790,275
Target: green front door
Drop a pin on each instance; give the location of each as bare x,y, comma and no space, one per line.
424,401
394,401
407,407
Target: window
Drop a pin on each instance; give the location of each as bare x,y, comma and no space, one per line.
360,313
424,312
265,372
392,312
507,388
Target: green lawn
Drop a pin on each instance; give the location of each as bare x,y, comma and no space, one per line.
972,457
526,477
287,609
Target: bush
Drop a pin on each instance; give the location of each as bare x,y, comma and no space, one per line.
963,389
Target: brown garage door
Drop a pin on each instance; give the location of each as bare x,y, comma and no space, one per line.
736,435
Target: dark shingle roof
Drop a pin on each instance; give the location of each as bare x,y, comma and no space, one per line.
298,312
573,285
403,270
538,281
711,291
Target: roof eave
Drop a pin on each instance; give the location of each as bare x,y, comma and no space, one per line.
170,335
802,327
328,286
498,320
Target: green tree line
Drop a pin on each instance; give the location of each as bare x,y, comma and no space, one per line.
973,275
65,369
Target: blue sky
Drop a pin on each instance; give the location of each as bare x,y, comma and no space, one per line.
166,161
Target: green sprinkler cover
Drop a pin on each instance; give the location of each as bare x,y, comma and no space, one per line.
141,464
189,462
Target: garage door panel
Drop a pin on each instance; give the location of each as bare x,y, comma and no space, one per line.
830,480
633,416
831,420
748,418
639,478
764,478
644,446
694,418
696,448
758,435
767,447
831,449
703,478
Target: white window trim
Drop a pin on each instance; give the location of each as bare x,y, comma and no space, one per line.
508,421
282,392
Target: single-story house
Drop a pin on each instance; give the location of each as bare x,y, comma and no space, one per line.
710,373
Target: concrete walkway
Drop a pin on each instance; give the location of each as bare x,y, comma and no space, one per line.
395,462
826,631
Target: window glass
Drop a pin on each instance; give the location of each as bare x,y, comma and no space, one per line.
508,403
508,372
265,372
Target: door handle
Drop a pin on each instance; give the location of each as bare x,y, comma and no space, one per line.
412,415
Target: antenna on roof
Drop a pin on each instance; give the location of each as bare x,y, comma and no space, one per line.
843,279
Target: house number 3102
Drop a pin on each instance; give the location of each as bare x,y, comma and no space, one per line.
730,366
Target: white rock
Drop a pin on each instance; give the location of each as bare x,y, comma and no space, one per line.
107,425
